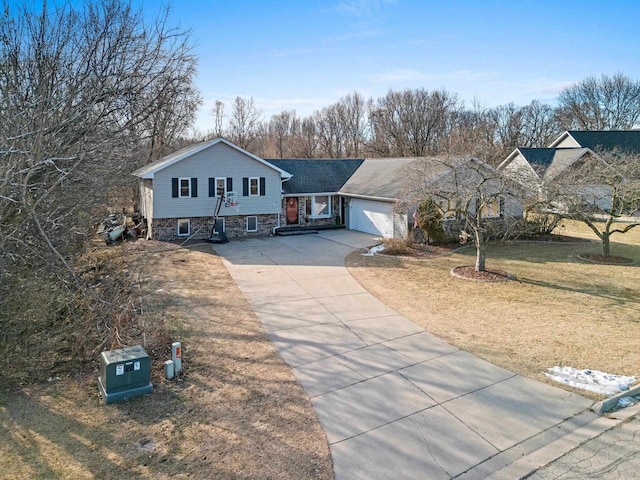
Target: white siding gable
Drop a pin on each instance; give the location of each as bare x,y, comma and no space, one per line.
218,160
564,141
521,171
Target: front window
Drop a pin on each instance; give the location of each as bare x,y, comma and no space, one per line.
492,209
252,224
221,187
319,206
184,187
254,186
184,227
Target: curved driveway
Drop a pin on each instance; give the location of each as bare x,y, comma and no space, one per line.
395,401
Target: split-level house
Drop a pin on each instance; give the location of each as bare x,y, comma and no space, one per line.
181,193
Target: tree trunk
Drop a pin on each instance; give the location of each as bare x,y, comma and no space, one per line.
481,254
606,249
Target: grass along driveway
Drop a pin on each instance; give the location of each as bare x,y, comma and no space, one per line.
560,310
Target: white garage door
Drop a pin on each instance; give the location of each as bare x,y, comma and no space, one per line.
371,217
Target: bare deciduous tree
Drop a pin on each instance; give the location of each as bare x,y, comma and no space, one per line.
307,142
538,125
602,190
87,94
607,103
412,122
218,116
281,129
244,122
486,203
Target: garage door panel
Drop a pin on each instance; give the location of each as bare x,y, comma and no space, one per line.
372,217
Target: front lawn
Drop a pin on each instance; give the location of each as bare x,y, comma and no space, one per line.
559,310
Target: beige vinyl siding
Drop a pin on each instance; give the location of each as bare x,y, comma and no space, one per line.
520,170
512,207
146,198
567,142
218,160
400,225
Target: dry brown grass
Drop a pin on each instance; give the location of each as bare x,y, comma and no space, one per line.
237,413
560,310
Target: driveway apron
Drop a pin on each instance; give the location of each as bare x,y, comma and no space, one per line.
395,401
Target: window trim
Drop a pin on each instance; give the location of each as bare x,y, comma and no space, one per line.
224,185
180,179
257,179
247,223
181,220
493,209
312,201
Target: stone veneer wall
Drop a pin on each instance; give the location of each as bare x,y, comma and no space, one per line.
304,221
165,229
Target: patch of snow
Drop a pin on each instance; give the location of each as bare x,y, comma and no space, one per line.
625,402
591,380
373,250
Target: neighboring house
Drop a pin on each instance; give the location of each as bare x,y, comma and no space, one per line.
311,196
626,141
178,193
537,167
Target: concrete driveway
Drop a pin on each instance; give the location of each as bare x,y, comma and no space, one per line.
395,401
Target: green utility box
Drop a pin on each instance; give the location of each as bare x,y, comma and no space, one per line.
124,373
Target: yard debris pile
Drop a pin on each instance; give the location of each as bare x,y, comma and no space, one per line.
591,380
105,313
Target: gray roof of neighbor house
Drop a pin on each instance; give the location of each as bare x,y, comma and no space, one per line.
315,175
382,178
149,170
547,162
625,140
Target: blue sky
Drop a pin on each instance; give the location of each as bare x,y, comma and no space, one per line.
305,55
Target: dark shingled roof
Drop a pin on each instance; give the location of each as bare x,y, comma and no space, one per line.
538,156
312,175
548,162
627,141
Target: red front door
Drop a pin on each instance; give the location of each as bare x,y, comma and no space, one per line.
292,211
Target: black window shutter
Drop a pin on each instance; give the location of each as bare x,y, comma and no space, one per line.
174,187
262,186
194,187
245,187
212,187
229,184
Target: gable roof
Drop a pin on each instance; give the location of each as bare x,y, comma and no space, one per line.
148,171
548,162
382,178
625,140
316,175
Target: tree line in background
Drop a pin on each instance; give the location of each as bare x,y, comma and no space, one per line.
420,122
